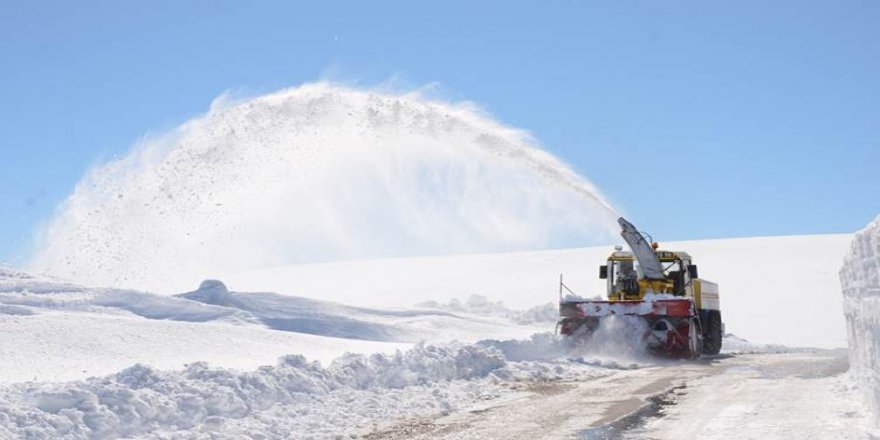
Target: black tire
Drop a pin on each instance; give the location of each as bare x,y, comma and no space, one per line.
699,344
712,332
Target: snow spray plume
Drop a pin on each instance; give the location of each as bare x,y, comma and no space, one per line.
622,337
316,173
619,340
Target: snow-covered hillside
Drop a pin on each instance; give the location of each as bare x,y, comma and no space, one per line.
52,330
336,352
780,290
860,279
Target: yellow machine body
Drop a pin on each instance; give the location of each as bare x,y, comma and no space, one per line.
704,293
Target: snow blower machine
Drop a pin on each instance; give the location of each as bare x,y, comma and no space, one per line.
661,287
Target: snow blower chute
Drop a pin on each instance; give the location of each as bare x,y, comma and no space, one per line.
661,287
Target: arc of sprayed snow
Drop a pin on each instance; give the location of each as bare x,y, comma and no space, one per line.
76,240
558,173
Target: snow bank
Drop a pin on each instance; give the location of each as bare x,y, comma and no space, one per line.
293,399
140,399
860,280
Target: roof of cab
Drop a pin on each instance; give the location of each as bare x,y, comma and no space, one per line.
626,255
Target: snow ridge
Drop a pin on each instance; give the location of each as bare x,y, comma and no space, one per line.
141,399
293,399
860,281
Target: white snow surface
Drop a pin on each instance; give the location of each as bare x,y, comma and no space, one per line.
293,399
337,353
774,290
52,330
860,280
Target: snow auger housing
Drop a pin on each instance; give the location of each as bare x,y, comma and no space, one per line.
663,287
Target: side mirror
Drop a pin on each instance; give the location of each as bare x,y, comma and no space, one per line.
692,271
603,272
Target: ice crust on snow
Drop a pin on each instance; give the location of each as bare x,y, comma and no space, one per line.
860,282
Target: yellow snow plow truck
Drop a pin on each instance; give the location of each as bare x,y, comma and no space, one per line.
662,287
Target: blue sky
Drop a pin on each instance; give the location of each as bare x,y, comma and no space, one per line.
704,120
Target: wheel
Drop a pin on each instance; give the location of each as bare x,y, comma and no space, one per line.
695,339
712,333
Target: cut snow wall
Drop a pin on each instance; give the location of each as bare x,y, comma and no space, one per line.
860,281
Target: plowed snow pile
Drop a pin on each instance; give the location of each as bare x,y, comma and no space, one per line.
293,399
860,279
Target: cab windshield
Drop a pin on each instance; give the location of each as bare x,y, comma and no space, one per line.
670,266
624,276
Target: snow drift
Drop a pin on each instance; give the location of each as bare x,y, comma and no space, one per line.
316,173
140,399
293,399
860,280
51,330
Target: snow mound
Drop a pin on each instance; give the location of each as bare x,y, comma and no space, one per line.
304,315
301,315
53,330
25,294
293,399
860,282
141,399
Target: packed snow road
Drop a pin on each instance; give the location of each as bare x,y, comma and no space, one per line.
784,395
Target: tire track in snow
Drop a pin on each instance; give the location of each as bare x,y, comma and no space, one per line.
639,404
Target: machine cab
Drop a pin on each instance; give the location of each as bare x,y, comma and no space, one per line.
625,280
